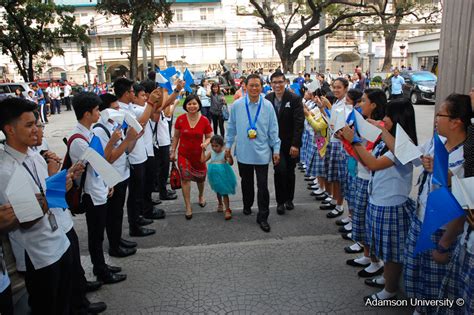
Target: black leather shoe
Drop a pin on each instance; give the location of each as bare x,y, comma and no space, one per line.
349,250
168,197
289,205
109,269
141,231
122,252
110,278
156,214
313,193
327,207
171,191
143,221
156,202
96,308
92,286
281,209
264,226
341,222
353,263
347,236
321,196
127,244
365,274
343,229
335,214
247,211
373,283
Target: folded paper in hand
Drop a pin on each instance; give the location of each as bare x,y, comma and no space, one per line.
366,129
132,122
461,191
106,171
22,197
339,119
405,150
314,85
114,115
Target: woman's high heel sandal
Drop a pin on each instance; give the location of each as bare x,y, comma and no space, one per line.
188,216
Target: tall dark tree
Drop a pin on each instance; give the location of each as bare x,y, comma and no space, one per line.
340,13
33,30
141,16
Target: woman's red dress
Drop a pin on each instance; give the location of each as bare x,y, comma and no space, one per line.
189,149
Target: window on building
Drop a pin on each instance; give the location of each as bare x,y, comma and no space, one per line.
207,13
177,15
114,43
208,39
176,41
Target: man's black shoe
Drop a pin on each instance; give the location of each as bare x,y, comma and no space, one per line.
141,231
96,308
127,244
156,202
156,214
122,252
168,196
143,221
110,278
171,191
109,268
92,286
264,226
281,209
289,205
247,211
327,207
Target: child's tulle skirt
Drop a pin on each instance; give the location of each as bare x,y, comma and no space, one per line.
222,178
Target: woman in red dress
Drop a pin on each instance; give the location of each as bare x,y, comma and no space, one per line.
193,132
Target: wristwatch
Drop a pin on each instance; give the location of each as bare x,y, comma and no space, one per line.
176,91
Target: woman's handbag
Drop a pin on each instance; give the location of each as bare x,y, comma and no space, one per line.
225,112
175,177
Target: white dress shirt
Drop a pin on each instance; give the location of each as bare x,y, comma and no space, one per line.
138,154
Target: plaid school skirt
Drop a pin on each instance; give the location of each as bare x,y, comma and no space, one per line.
459,281
387,229
361,199
349,190
310,148
421,274
336,164
304,145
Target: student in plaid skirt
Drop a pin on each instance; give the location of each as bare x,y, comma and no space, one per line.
389,208
336,158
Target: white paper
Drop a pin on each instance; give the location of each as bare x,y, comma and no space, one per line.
405,150
461,191
22,197
132,122
114,115
339,119
160,79
366,129
314,85
107,172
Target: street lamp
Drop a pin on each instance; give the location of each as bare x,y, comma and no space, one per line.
402,52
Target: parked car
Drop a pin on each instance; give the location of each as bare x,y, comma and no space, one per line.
8,89
420,86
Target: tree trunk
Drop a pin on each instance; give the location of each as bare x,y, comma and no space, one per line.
20,66
287,61
389,41
134,51
31,70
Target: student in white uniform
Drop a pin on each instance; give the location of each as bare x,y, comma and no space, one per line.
95,192
116,153
137,157
48,255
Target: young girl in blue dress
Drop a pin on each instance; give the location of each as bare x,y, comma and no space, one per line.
422,274
220,174
389,209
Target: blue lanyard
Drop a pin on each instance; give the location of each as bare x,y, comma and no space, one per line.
253,125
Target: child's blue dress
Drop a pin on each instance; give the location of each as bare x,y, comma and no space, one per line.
221,175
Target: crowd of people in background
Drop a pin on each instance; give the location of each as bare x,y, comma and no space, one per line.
272,122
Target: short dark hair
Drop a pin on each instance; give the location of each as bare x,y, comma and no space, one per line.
190,98
355,95
217,139
137,88
253,76
202,81
122,86
12,108
107,99
218,88
85,102
149,85
344,82
378,97
152,75
459,107
401,111
277,74
307,75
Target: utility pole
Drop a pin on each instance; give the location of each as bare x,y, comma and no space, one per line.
85,54
322,44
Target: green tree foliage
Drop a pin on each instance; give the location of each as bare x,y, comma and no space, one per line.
32,31
141,16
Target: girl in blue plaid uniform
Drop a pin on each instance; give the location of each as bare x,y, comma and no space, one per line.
335,156
389,209
422,274
373,106
459,279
